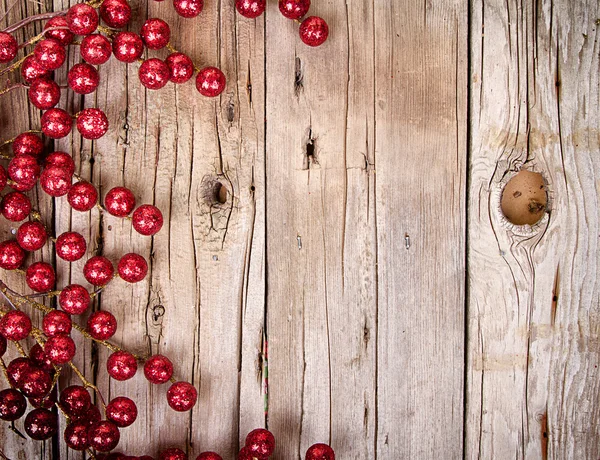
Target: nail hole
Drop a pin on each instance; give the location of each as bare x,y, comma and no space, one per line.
252,188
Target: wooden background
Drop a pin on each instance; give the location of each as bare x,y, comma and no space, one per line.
359,237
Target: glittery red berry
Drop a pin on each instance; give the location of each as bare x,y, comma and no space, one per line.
115,13
294,9
36,383
62,160
147,220
314,31
70,246
56,322
38,357
74,299
181,67
44,93
154,73
60,349
83,78
55,181
24,169
82,19
209,456
98,270
103,436
76,435
188,8
12,405
82,196
56,123
40,277
182,396
15,325
95,49
63,35
50,54
320,452
75,400
28,144
15,206
210,82
119,201
250,8
91,416
92,123
246,454
8,47
102,325
11,255
17,370
3,178
127,47
158,369
32,69
121,365
121,411
261,442
132,268
41,424
172,453
155,33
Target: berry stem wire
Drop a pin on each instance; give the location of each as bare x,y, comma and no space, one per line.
34,18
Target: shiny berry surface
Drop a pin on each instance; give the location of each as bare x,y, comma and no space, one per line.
50,54
91,416
31,69
158,369
75,435
294,9
155,33
63,36
115,13
62,160
82,196
82,19
55,181
17,369
75,400
70,246
119,201
11,255
44,93
188,8
121,365
314,31
103,436
181,67
102,325
39,358
83,78
260,442
210,82
41,424
8,47
56,123
74,299
132,268
92,123
56,322
154,73
172,453
98,270
36,383
320,452
40,277
121,411
95,49
15,206
60,349
24,169
147,220
15,325
209,456
182,396
250,8
28,144
246,454
12,405
127,46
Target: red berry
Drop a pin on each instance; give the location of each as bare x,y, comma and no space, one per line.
57,322
154,73
74,299
62,36
75,400
41,424
31,69
39,358
132,268
209,456
172,453
147,219
91,416
294,9
210,82
158,369
55,181
60,349
121,365
246,454
181,67
11,255
15,325
12,405
188,8
320,452
76,435
15,206
82,19
155,33
25,170
102,325
82,196
103,436
40,277
83,78
314,31
17,369
119,201
36,383
44,93
121,411
56,123
92,123
3,178
45,402
127,47
95,49
115,13
250,8
28,144
8,47
98,270
50,54
182,396
62,160
70,246
261,442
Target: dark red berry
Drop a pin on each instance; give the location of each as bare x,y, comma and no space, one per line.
210,82
132,268
182,396
246,454
76,436
60,349
41,424
155,33
154,73
102,325
294,9
15,325
55,181
32,236
314,31
15,206
8,47
95,49
127,46
83,78
172,453
56,123
31,69
89,417
119,201
320,452
57,322
250,8
121,411
40,277
25,170
209,456
36,383
181,67
115,13
50,54
82,19
62,160
75,400
17,369
158,369
121,365
74,299
12,405
147,220
70,246
38,357
98,270
28,144
82,196
261,442
44,93
11,255
103,436
188,8
63,35
92,123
